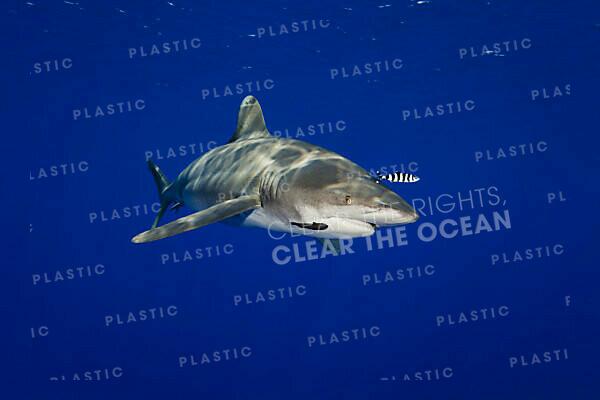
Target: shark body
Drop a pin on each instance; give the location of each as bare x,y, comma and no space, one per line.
278,184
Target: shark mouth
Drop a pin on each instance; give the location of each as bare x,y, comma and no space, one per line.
335,228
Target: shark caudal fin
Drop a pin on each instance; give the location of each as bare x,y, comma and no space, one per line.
162,185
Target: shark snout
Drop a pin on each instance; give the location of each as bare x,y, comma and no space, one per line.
405,211
393,210
396,213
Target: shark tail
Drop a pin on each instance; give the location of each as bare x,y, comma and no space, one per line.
163,186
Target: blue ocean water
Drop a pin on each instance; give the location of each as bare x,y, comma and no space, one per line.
492,294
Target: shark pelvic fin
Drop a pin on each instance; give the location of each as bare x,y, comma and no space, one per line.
213,214
251,123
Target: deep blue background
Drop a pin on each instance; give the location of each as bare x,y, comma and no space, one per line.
96,36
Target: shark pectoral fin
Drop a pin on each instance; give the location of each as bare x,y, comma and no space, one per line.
216,213
315,226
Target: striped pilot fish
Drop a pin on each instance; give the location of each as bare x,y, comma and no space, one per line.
400,177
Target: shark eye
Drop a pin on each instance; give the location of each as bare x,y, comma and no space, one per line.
348,200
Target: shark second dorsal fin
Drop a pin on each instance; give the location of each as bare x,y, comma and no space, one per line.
251,123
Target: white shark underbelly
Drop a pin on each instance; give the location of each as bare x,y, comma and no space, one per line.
337,228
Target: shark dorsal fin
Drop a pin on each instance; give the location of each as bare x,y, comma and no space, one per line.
251,123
